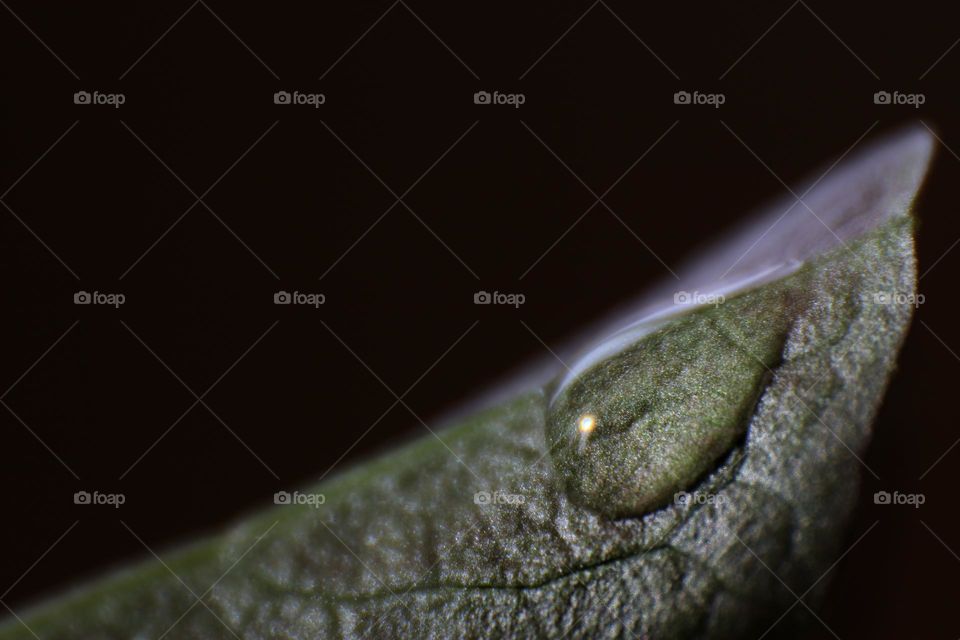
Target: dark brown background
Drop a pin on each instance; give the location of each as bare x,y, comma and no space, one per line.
400,298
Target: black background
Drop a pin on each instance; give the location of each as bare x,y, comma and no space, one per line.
295,199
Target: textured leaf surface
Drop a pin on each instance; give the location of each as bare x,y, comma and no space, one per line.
523,524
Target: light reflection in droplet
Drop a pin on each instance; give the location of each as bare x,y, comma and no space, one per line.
587,423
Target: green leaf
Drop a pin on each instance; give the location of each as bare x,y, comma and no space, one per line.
691,459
